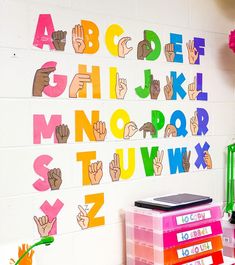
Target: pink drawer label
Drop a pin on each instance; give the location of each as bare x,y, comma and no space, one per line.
193,217
203,261
195,233
192,250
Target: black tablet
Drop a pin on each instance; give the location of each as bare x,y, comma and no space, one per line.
173,202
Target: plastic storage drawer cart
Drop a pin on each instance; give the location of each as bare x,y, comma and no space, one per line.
189,236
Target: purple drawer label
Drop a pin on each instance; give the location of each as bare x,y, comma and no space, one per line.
195,233
193,217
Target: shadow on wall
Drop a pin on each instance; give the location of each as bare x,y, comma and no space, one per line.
227,7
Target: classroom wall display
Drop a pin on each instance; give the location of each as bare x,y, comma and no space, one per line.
116,119
102,103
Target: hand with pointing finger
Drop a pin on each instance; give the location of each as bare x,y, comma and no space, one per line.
168,89
78,39
194,124
123,50
170,131
78,83
192,90
192,52
148,127
121,87
44,225
82,218
114,168
62,133
129,130
54,178
186,161
157,163
41,80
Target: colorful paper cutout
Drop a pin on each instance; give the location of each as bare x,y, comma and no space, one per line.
123,50
154,88
82,218
95,172
54,178
130,129
148,127
186,161
41,80
78,39
192,52
114,168
121,87
169,52
62,133
99,130
157,163
168,88
59,39
44,226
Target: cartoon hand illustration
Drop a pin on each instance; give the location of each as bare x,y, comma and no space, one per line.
186,161
192,90
157,163
78,39
59,39
155,88
41,80
28,259
54,178
148,127
121,87
170,130
77,84
123,50
170,52
192,52
44,225
82,218
168,89
62,133
207,160
194,124
144,49
95,172
99,130
114,168
129,130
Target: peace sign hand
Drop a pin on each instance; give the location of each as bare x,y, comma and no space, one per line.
157,163
168,89
186,161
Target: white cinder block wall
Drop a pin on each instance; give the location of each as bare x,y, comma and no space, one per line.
19,201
